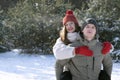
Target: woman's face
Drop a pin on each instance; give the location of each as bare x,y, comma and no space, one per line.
89,31
70,26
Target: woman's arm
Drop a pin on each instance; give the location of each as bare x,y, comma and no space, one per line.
62,51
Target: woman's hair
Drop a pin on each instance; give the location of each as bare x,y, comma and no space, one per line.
63,34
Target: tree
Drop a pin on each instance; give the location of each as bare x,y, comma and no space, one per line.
33,25
106,12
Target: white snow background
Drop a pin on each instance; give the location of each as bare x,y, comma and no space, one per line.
15,66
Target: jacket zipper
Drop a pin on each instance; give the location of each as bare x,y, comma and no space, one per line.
93,62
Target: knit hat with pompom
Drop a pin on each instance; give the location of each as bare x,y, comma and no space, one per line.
69,16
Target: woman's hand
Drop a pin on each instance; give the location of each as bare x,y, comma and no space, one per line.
107,46
83,50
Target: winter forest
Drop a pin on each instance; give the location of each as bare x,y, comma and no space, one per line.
32,26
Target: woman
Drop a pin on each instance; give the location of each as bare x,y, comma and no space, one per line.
68,34
92,54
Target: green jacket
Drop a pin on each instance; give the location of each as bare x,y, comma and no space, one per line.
88,68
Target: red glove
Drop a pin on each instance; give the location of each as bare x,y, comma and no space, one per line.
83,50
106,47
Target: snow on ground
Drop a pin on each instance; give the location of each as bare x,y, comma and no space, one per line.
14,66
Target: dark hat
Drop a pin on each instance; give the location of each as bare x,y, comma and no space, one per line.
89,21
69,16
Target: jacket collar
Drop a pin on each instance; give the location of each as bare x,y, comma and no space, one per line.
89,43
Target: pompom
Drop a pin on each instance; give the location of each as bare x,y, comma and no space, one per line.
69,12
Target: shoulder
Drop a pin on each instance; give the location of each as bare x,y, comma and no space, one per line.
59,40
99,43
